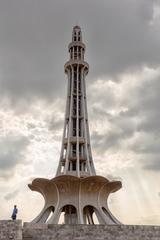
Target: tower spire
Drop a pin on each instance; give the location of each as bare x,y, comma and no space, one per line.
76,157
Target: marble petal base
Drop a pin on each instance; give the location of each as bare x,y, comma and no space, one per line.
78,198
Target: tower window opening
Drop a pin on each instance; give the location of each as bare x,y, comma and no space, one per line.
75,72
74,166
84,167
75,86
74,36
75,52
79,108
74,150
79,52
74,126
74,123
80,149
81,166
79,75
69,166
74,106
83,53
74,132
82,130
74,112
79,36
79,100
74,103
79,128
75,75
79,86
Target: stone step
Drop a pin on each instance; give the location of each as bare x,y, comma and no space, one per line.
13,230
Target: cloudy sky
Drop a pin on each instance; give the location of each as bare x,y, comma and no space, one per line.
123,86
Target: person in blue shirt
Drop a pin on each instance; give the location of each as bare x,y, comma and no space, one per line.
14,213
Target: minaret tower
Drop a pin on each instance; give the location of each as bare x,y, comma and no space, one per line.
76,157
76,193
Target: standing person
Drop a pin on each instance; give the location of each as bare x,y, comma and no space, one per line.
14,213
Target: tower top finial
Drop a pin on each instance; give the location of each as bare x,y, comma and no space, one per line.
76,26
77,34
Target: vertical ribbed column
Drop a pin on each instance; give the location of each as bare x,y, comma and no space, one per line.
70,126
87,129
77,124
66,128
85,126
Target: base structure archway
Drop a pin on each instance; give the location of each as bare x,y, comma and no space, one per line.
81,200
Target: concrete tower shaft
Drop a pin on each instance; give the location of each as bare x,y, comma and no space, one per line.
76,155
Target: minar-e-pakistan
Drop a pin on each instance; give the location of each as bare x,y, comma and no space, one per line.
76,191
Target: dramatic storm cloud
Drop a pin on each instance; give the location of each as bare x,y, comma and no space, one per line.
123,50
